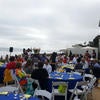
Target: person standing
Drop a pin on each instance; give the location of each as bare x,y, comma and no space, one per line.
94,54
41,75
53,60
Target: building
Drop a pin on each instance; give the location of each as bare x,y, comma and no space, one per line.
96,43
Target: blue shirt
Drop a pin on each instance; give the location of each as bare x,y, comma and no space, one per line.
97,65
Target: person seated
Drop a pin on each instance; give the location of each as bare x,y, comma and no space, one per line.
47,66
65,59
96,69
78,65
75,57
94,54
84,63
19,59
24,79
21,75
11,65
28,66
87,54
60,63
97,64
41,75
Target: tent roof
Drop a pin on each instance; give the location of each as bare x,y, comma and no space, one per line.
89,48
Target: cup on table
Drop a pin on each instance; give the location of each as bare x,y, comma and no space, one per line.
21,96
71,74
15,94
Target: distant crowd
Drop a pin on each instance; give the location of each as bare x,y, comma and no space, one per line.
40,65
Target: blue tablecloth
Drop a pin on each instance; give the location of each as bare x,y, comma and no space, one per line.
87,70
11,97
71,79
2,69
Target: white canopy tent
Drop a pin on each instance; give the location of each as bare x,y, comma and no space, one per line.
82,50
89,48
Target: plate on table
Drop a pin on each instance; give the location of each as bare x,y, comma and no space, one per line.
71,78
3,93
58,78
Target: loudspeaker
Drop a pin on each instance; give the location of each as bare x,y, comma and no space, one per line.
11,49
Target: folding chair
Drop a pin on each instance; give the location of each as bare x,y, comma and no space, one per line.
91,85
17,83
43,93
78,90
32,85
37,82
81,71
88,77
55,91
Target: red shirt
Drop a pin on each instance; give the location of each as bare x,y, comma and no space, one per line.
11,65
65,60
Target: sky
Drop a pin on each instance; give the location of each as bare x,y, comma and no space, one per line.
48,24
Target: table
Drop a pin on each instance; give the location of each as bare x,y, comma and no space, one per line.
11,97
2,69
67,77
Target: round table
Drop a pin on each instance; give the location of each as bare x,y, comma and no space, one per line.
11,97
71,78
2,69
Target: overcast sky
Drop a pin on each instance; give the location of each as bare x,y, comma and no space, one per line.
48,24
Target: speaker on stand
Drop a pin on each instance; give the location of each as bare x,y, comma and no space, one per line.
10,50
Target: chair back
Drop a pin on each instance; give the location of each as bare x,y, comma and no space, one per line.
81,83
82,71
57,91
78,90
37,82
96,72
56,84
43,93
91,84
89,88
17,83
88,77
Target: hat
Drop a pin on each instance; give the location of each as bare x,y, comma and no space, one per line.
91,59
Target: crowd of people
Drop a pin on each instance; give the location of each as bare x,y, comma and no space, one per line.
39,66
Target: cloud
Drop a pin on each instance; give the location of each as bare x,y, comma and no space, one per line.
49,24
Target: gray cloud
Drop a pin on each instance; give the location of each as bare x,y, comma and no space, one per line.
49,24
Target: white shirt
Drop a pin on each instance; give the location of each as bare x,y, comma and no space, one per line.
74,60
48,68
85,65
